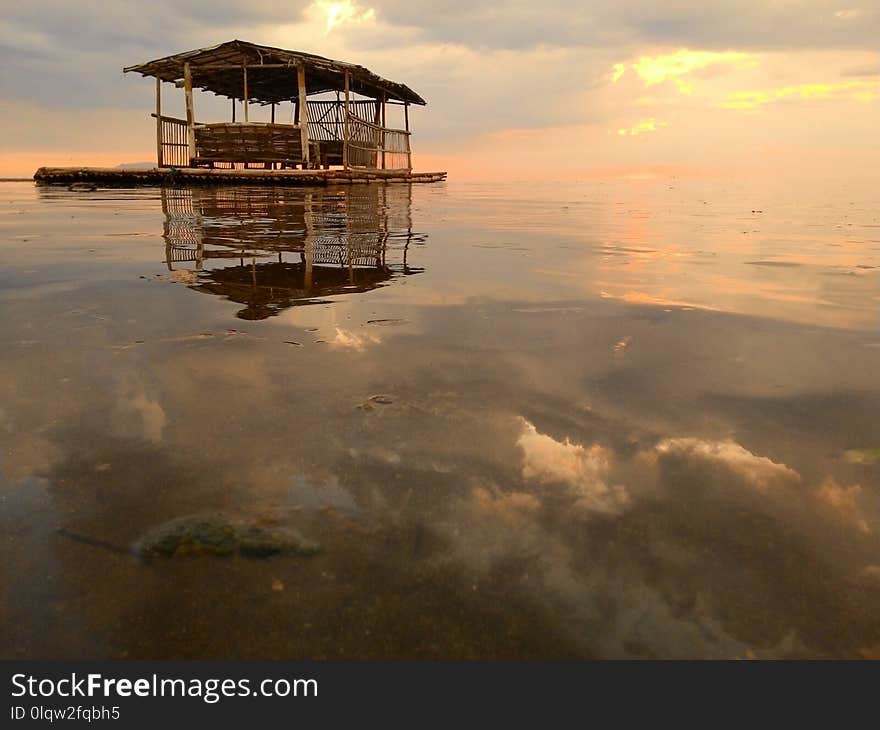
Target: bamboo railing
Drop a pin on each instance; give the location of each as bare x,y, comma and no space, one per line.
372,146
369,146
173,145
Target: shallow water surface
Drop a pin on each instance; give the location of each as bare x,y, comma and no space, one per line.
598,419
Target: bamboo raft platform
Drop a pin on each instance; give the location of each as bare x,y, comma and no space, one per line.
158,176
344,125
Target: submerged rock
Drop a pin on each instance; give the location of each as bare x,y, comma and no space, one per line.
216,534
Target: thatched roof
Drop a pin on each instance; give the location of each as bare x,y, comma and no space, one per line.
218,69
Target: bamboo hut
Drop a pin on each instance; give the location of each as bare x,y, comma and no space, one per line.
348,130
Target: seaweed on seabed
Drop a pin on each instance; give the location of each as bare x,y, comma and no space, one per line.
206,535
216,535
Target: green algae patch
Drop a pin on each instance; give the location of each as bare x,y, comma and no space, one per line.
217,535
862,456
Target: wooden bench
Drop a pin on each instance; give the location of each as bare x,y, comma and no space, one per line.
259,143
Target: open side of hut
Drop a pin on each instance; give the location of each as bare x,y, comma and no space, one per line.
348,130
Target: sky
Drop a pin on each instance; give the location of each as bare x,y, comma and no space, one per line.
516,90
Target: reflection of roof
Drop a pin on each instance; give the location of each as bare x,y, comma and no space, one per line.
219,69
267,288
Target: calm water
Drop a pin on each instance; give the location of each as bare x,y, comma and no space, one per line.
613,420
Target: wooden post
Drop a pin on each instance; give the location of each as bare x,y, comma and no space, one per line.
345,125
233,110
159,161
382,135
273,112
408,136
303,114
244,73
190,114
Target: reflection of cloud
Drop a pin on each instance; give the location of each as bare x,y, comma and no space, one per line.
27,455
858,90
845,500
583,469
636,297
762,474
138,415
348,339
758,471
152,416
511,507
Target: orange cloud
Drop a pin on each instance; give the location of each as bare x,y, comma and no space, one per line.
672,66
647,125
857,90
342,11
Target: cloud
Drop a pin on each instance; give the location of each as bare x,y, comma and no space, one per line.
340,12
713,24
672,66
647,125
859,90
582,469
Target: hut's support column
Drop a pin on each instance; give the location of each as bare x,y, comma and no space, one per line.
159,162
382,133
408,136
303,114
244,74
377,119
190,115
345,123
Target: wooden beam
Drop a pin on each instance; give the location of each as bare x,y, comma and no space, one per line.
345,123
159,162
244,73
303,113
236,66
233,109
190,113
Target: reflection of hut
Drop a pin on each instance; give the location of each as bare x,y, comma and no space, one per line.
273,248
